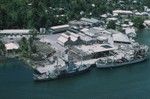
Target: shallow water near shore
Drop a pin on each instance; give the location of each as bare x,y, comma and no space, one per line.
128,82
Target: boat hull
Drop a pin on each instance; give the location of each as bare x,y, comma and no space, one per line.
64,75
121,64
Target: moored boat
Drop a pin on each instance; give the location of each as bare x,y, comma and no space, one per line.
139,54
55,71
118,64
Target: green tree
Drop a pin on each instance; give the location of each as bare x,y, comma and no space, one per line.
34,34
24,47
2,48
41,13
138,22
38,14
32,46
111,25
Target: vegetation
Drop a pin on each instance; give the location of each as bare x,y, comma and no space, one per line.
111,25
24,48
27,47
2,48
138,22
34,34
46,13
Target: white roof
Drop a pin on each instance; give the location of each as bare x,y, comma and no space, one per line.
129,30
89,49
64,38
60,26
73,34
120,37
122,12
131,23
91,20
45,69
125,25
138,13
11,46
45,40
144,13
113,19
91,32
113,31
148,10
84,37
115,14
104,15
147,22
15,31
102,38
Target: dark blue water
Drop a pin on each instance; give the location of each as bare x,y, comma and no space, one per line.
129,82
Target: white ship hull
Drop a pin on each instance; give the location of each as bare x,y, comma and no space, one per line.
119,64
62,74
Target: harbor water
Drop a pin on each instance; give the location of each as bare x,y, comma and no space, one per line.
127,82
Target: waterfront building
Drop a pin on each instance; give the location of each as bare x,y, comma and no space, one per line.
15,32
11,49
11,46
14,35
91,51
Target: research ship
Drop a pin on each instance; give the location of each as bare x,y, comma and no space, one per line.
137,54
59,69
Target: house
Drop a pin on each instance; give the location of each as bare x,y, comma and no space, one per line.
84,23
94,21
13,35
122,13
119,38
11,47
15,32
59,28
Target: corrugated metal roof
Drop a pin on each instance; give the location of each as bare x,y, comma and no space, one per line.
15,31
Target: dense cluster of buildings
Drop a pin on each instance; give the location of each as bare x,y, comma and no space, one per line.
88,38
85,31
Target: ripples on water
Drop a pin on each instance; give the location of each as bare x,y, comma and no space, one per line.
128,82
